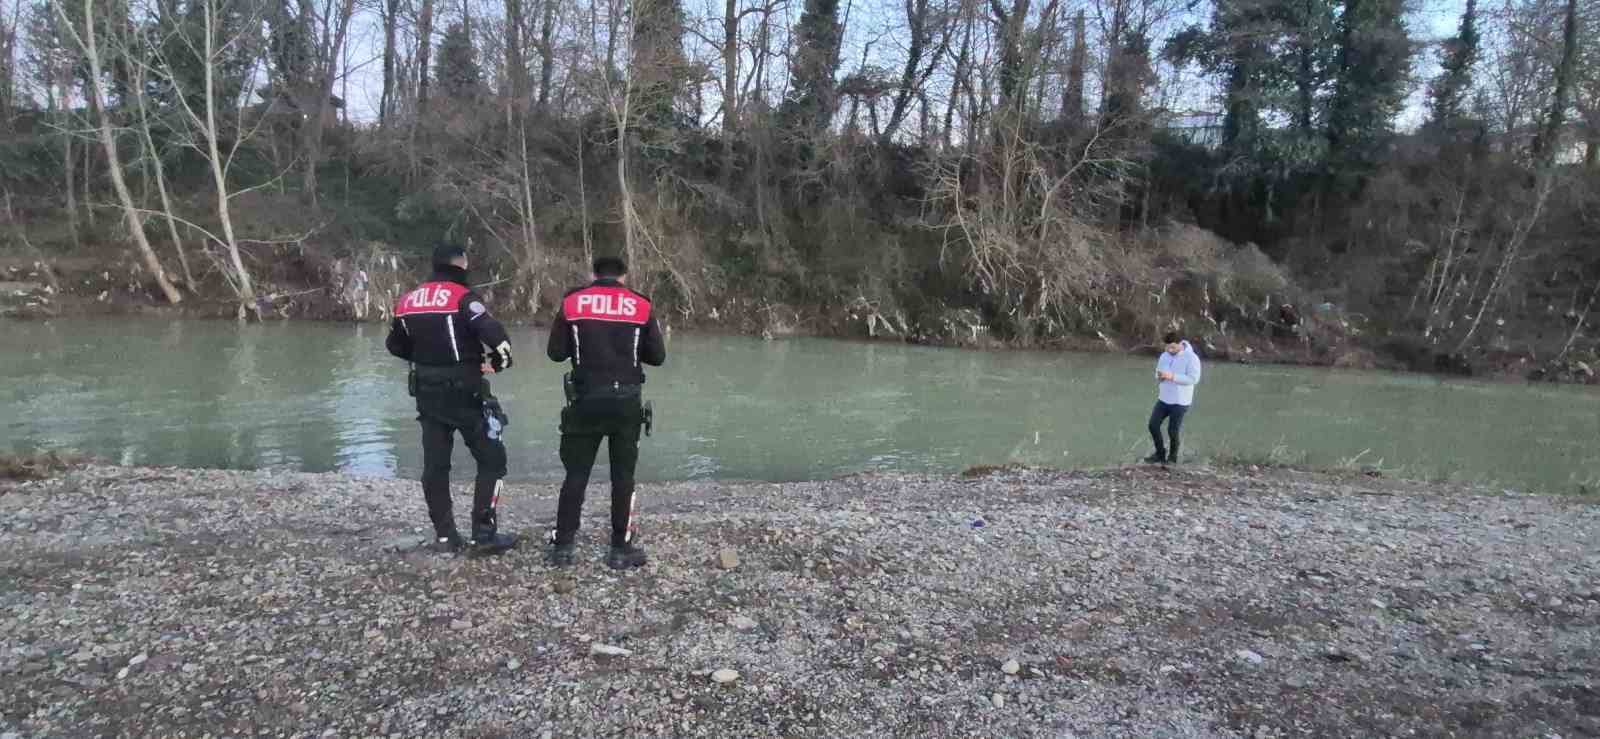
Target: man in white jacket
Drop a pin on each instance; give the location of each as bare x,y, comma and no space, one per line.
1177,372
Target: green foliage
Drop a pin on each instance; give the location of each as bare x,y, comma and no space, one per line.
813,96
1375,52
456,72
1447,94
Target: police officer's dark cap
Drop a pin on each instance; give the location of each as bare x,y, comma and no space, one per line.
610,266
444,254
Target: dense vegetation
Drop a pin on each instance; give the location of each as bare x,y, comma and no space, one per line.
937,170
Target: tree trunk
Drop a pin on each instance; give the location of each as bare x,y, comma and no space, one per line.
87,181
70,171
8,63
424,46
730,86
316,111
516,65
91,52
247,294
1073,112
547,53
161,177
391,23
1549,139
957,79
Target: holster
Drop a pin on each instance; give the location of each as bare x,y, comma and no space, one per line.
569,388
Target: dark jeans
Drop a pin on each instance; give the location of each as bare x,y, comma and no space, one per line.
1163,412
443,414
615,417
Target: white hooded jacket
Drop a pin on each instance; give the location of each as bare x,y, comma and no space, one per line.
1185,369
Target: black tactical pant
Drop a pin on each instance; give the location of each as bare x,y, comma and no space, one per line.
447,407
615,415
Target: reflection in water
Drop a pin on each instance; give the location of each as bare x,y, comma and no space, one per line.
327,397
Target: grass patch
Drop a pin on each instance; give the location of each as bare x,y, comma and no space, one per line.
39,466
978,471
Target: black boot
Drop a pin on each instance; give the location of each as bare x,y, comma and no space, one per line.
485,537
560,553
490,543
626,555
1158,458
448,542
1172,458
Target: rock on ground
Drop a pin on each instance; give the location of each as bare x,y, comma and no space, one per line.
141,602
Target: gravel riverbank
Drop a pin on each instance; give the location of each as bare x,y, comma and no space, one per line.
1131,602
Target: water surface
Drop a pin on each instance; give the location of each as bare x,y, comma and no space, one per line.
319,397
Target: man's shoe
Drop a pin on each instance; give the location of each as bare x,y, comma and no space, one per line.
625,557
561,555
1156,459
1172,458
448,543
492,544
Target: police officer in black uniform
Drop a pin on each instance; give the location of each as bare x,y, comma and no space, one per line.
442,327
606,331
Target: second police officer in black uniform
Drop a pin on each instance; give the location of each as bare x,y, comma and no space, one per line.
442,327
606,331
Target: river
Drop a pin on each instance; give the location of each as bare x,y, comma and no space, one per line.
327,397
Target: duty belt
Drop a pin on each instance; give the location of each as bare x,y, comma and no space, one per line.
445,378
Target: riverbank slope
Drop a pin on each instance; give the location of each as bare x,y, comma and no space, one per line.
1129,602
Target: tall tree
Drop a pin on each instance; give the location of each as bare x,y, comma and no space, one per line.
424,48
1448,93
391,60
87,38
813,94
1374,60
9,31
458,75
516,62
1549,137
657,64
1074,109
927,36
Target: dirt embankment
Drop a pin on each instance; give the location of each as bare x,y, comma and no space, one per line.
1135,602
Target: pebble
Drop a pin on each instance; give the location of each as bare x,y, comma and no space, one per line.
564,586
460,625
998,700
1011,667
1247,655
728,558
743,623
724,676
138,660
514,665
607,650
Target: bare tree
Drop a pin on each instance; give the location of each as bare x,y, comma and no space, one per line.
390,10
89,44
9,30
1549,137
928,36
424,47
159,168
